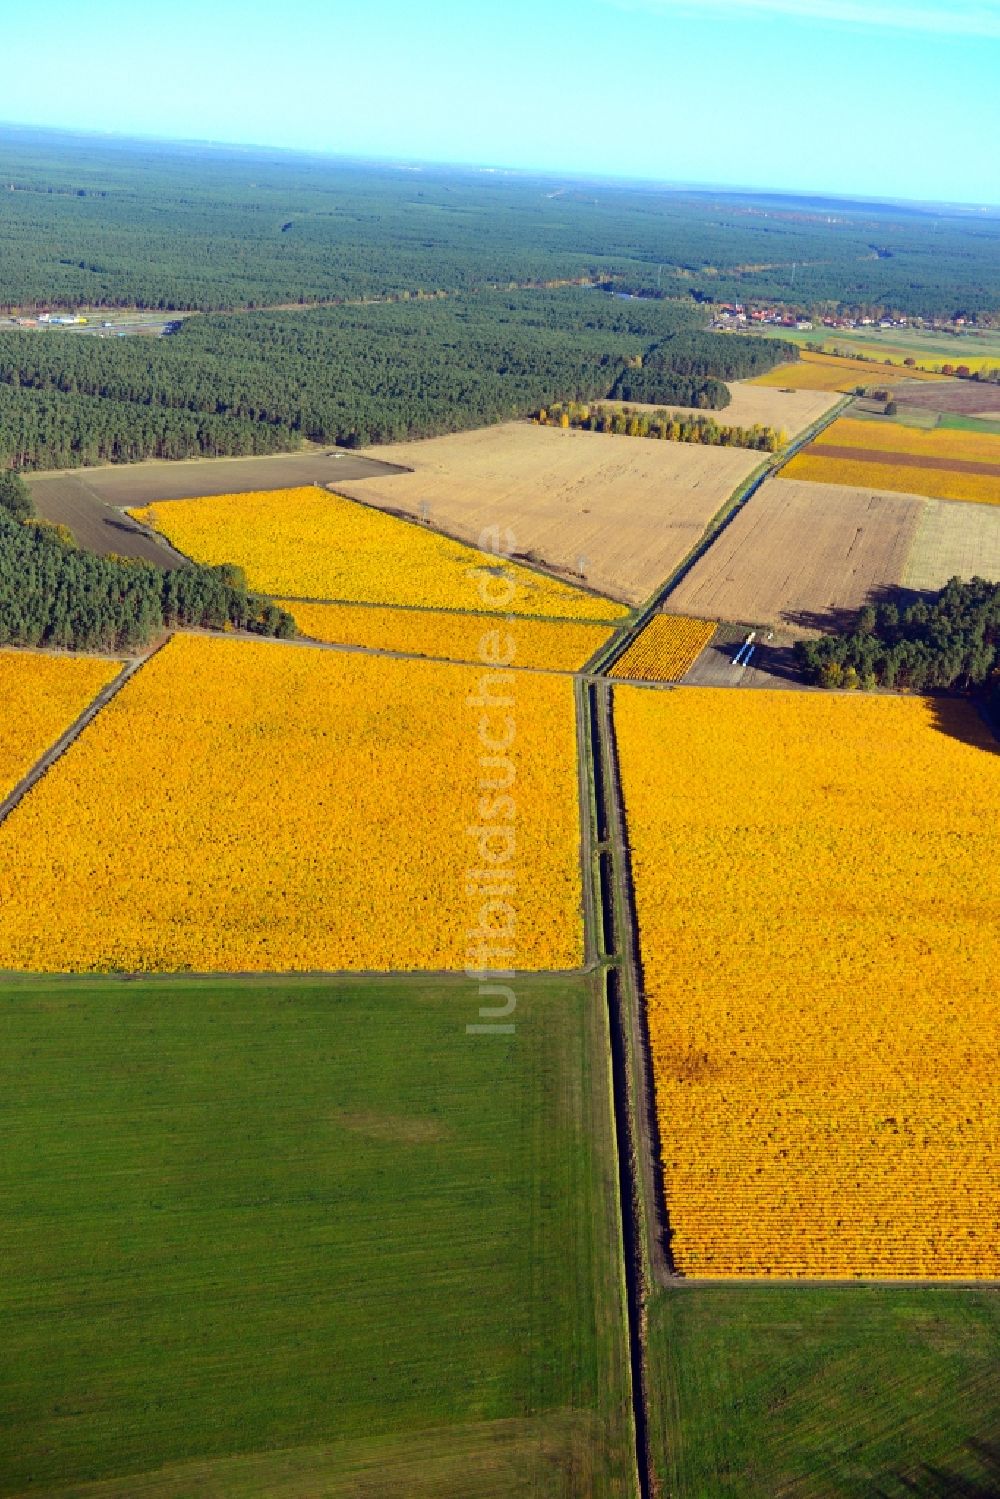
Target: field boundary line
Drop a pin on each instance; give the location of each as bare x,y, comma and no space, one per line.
68,737
520,559
593,935
504,617
269,975
610,925
650,1200
306,642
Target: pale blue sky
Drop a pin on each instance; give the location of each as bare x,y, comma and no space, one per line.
835,95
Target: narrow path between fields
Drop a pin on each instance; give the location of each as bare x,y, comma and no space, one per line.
611,902
62,744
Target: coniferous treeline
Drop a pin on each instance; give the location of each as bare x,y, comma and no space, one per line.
260,382
668,426
951,640
688,369
53,595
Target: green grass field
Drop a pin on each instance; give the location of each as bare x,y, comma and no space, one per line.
306,1238
836,1393
954,423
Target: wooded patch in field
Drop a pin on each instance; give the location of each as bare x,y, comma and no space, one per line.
756,403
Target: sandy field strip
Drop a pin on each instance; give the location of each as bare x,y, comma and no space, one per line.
954,540
800,556
631,508
138,484
794,410
926,460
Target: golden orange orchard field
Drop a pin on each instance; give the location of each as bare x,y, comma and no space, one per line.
666,649
818,901
40,697
446,635
245,806
309,544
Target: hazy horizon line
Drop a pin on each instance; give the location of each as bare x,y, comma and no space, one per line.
402,162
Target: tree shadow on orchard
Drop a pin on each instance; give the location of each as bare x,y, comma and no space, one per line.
968,721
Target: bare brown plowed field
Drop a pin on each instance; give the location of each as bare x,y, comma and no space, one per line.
137,484
794,410
921,460
629,508
801,556
67,500
954,540
962,397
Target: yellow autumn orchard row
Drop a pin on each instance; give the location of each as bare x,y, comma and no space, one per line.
666,649
40,696
819,911
261,806
308,543
441,633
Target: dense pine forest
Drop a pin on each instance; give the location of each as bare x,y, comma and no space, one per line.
94,222
259,382
52,594
445,302
949,640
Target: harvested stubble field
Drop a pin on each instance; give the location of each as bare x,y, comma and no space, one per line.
820,934
259,807
752,403
444,635
41,696
943,464
830,372
800,555
306,1237
311,544
954,540
631,509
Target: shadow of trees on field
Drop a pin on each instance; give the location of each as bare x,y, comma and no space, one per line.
967,720
932,1482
